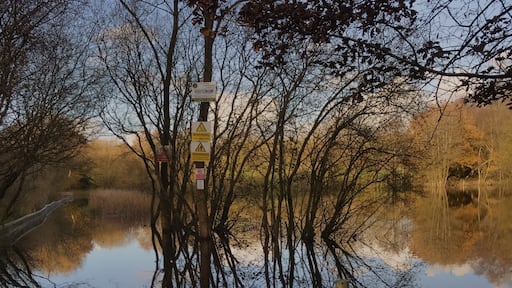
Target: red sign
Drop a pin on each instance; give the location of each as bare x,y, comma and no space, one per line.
161,154
200,173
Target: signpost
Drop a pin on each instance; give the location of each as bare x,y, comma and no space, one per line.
201,132
201,173
200,178
204,91
161,153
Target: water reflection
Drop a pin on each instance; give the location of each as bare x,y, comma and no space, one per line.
15,269
52,254
59,247
470,246
472,236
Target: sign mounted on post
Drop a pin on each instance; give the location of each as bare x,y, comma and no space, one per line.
204,91
202,131
200,184
200,173
200,178
200,151
161,153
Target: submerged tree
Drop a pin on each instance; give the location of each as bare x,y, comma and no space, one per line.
307,118
151,66
140,66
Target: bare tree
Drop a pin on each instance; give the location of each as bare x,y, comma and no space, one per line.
45,95
290,123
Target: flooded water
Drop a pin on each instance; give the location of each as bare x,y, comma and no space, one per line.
427,245
126,265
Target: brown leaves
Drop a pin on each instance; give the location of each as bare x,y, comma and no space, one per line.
331,25
207,32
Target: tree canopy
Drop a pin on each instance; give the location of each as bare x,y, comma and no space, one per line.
419,40
46,94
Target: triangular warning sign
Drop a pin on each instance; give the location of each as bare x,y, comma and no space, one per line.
201,128
200,151
200,148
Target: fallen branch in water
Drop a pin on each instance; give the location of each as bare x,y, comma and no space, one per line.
15,230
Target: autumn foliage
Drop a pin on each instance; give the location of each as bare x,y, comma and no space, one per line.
463,141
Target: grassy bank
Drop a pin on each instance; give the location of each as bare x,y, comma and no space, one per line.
119,203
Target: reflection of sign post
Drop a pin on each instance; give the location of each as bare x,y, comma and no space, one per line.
202,131
204,91
200,151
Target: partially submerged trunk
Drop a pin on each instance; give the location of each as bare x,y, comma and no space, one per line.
15,230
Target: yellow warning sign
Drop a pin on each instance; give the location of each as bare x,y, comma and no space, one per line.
202,131
200,148
201,128
200,151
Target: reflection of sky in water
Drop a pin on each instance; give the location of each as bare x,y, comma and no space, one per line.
129,265
457,270
122,266
461,275
452,276
117,259
427,276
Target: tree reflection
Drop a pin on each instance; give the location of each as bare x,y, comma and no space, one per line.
478,234
494,246
322,264
63,243
238,258
56,248
15,269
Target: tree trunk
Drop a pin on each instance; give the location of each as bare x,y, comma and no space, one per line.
204,228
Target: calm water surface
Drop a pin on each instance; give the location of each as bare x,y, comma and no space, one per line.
468,247
127,265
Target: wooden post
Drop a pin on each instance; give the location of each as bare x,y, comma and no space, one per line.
202,194
204,232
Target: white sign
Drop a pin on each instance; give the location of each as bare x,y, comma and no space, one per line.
204,91
202,131
200,184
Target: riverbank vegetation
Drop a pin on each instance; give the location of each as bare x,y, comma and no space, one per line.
118,203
